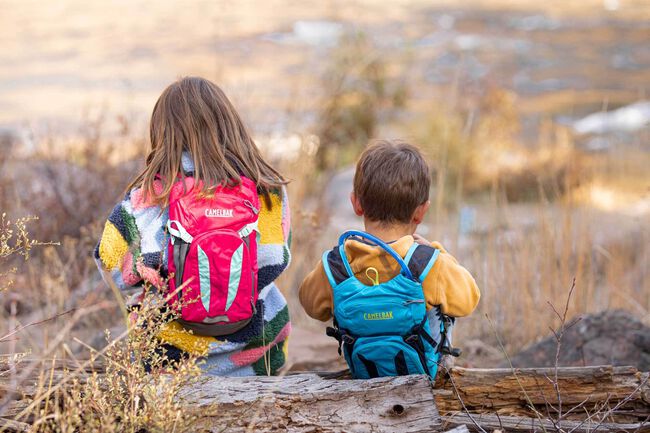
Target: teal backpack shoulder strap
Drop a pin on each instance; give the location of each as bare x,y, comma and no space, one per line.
420,268
344,258
409,253
367,236
336,266
328,270
429,265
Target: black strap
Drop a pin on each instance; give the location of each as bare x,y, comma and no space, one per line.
336,334
445,346
400,364
181,248
424,333
416,343
345,340
371,367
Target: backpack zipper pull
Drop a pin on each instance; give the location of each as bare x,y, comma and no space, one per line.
375,281
414,301
251,207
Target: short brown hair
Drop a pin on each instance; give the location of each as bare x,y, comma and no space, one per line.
391,180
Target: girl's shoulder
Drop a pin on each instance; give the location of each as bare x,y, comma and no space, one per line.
136,200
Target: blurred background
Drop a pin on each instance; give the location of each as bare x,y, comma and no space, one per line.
535,117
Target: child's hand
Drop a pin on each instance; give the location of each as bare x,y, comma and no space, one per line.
420,240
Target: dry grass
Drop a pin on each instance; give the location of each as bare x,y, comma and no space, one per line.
129,385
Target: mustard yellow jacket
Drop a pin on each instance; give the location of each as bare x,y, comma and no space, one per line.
448,284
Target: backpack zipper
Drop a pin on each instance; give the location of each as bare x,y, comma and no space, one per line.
414,301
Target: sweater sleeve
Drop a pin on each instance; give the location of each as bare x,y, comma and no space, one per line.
132,247
451,286
315,294
114,252
273,248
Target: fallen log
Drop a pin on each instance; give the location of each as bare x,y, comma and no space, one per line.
514,400
526,391
309,403
491,423
295,403
459,429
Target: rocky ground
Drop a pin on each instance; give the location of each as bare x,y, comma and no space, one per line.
608,338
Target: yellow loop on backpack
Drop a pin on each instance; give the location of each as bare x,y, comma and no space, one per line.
375,281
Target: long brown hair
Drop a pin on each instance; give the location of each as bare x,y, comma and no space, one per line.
195,115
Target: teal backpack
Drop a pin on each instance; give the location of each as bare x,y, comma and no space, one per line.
384,329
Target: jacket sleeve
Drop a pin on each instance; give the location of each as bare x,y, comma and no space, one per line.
451,286
315,294
273,248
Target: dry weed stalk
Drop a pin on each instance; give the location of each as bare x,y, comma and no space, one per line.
529,402
555,412
15,240
130,385
558,347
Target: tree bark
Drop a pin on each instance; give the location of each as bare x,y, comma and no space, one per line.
309,403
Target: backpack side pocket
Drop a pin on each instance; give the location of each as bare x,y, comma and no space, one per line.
384,356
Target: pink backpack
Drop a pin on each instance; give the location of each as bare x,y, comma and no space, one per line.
212,256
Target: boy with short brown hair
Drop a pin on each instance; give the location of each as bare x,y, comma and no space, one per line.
391,193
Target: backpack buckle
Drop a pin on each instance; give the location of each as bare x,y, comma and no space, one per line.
412,339
336,334
445,347
452,351
348,339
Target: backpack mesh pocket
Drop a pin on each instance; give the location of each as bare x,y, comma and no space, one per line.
384,356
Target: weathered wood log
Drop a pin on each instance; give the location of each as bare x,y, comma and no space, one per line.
489,422
327,403
296,403
509,392
459,429
309,403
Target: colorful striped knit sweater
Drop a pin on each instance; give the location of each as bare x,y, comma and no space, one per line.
133,251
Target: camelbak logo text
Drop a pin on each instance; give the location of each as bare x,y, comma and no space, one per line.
218,213
384,315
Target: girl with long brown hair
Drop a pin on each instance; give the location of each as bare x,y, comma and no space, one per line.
197,134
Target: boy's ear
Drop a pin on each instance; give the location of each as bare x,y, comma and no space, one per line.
420,212
356,206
